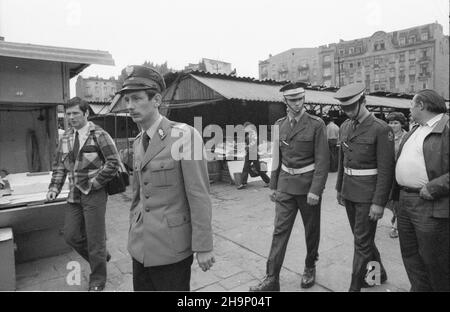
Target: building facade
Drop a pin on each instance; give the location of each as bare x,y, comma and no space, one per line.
295,64
211,66
403,61
95,89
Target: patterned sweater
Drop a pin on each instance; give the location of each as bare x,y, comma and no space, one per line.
91,169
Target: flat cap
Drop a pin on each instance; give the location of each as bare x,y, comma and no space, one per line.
351,93
293,89
141,77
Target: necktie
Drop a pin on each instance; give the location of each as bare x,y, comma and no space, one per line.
293,123
145,140
355,124
76,146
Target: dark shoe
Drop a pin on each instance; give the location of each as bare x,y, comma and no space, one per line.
97,288
108,256
242,186
266,185
270,283
308,277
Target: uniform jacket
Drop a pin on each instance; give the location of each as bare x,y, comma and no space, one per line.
170,216
87,165
369,146
304,145
436,154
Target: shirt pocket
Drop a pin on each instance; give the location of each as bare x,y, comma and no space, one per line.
163,173
365,145
304,143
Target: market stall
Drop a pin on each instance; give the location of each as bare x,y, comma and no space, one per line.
34,80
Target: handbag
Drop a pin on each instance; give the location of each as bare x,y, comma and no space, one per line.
120,181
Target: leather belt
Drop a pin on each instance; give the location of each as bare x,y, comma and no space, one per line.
293,171
410,189
360,172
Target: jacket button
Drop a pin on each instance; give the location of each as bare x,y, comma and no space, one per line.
147,196
147,209
145,183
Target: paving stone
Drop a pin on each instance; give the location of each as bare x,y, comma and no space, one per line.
216,287
236,280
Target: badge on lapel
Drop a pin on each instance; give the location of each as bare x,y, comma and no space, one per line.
161,133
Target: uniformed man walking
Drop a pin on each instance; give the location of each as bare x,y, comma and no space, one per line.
365,176
170,217
301,163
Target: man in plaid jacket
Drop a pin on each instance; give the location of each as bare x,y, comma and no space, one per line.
88,156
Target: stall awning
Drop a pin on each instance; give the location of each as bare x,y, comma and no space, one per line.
80,57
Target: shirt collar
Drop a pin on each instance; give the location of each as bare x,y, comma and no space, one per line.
432,122
151,131
297,118
84,130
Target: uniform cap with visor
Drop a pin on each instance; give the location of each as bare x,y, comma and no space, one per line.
141,77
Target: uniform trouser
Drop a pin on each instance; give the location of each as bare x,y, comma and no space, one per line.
285,212
169,277
334,155
424,244
84,231
365,251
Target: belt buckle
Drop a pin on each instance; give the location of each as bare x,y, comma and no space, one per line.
350,171
291,171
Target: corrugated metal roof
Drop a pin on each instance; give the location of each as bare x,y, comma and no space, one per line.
242,90
58,54
99,108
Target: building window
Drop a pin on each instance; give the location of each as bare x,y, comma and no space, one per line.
327,72
327,58
402,57
424,69
375,47
351,65
424,53
392,72
377,87
424,36
383,87
411,89
351,50
341,52
424,85
412,39
392,83
358,50
412,55
412,78
412,70
359,64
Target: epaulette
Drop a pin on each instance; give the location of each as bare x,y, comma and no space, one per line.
281,119
314,117
180,125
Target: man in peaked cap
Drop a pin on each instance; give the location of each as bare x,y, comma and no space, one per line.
301,162
365,176
170,216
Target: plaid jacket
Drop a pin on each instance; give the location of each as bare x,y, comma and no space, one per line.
92,168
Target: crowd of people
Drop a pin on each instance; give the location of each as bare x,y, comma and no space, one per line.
171,215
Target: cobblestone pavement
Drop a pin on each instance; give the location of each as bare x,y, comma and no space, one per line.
243,225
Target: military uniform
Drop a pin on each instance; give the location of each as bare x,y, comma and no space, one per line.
170,215
300,166
366,167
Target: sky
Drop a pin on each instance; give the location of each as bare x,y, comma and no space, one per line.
179,32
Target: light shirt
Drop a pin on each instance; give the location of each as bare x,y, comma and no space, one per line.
152,130
410,170
332,131
83,134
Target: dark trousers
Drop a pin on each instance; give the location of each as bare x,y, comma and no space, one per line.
424,243
246,170
85,231
332,145
363,230
286,208
170,277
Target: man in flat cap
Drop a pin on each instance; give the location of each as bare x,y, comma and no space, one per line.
170,217
301,163
365,176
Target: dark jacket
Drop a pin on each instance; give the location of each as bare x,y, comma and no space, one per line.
304,145
436,153
369,146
